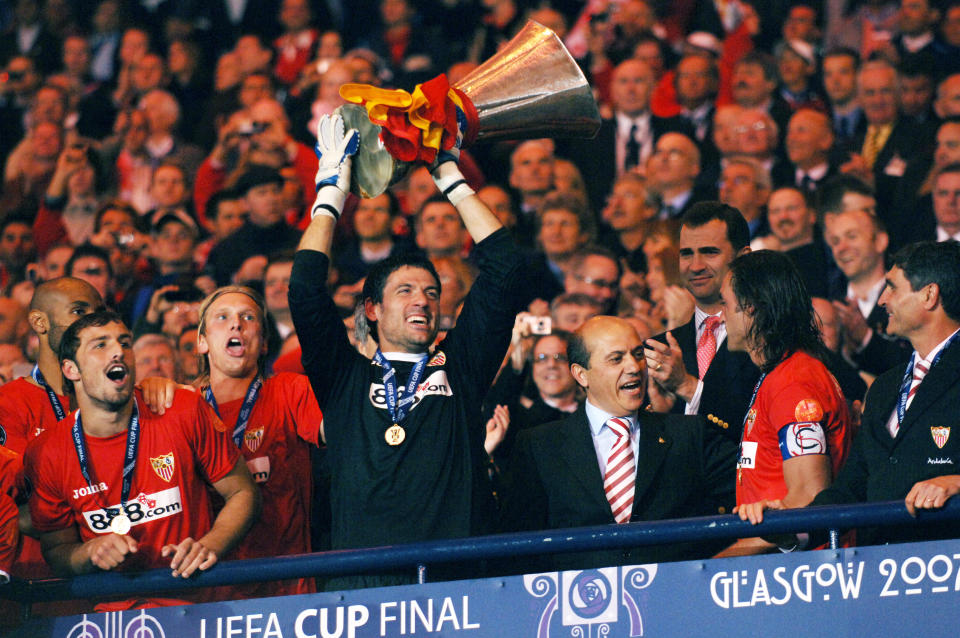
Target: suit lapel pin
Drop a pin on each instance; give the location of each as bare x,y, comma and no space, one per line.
661,440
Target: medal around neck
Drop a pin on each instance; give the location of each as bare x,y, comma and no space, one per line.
394,435
120,524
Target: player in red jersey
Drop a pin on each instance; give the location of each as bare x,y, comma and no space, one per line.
273,421
31,404
9,532
796,433
116,486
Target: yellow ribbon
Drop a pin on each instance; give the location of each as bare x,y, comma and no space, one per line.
379,101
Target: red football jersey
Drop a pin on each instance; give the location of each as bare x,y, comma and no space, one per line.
9,533
799,410
168,500
284,421
25,412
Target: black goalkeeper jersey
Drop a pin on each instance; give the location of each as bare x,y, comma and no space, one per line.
433,485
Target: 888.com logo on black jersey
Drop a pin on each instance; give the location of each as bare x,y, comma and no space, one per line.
435,384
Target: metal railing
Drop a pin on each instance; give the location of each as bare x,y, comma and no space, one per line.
417,556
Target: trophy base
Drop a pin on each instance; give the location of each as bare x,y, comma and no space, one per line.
374,169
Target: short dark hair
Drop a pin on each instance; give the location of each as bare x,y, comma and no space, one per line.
87,250
222,195
592,250
770,289
702,213
120,205
844,52
377,277
17,217
765,61
556,200
577,352
436,198
931,262
830,195
952,167
70,341
918,64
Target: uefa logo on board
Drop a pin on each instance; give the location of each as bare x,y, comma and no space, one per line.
599,599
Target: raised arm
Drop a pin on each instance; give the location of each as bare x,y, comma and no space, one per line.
335,149
479,220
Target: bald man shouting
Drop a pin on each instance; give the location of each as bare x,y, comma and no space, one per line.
612,461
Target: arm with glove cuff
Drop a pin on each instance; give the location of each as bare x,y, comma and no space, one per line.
335,149
479,220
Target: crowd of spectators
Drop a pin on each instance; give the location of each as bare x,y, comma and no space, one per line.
159,151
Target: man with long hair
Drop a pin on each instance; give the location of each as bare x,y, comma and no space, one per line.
797,429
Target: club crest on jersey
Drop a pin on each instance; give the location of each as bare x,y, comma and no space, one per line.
808,410
438,359
253,438
940,435
751,419
163,466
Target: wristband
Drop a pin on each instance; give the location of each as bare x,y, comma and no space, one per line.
329,201
451,183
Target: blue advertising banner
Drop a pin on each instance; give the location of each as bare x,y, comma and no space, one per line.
910,589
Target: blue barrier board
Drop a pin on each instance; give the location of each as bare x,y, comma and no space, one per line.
909,589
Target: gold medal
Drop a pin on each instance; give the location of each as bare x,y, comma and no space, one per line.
120,524
394,435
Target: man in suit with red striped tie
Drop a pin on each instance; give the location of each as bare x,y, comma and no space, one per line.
612,461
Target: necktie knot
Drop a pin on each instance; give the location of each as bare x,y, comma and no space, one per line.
620,427
707,345
620,472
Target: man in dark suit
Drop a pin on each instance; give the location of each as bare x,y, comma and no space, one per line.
809,140
858,243
882,153
672,173
711,236
611,461
627,139
905,447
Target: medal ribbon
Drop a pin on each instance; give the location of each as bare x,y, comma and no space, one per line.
246,409
908,377
398,408
54,400
743,428
129,458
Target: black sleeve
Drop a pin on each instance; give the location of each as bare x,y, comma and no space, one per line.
882,353
523,499
483,329
323,338
719,468
850,485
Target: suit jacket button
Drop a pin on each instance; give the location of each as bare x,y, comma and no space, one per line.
721,510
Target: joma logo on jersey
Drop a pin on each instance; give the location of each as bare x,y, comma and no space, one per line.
141,509
436,383
87,490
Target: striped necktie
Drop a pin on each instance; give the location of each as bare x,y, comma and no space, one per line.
618,480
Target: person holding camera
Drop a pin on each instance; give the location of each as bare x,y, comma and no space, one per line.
174,238
69,208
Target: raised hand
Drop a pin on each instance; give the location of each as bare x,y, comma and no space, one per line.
335,148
